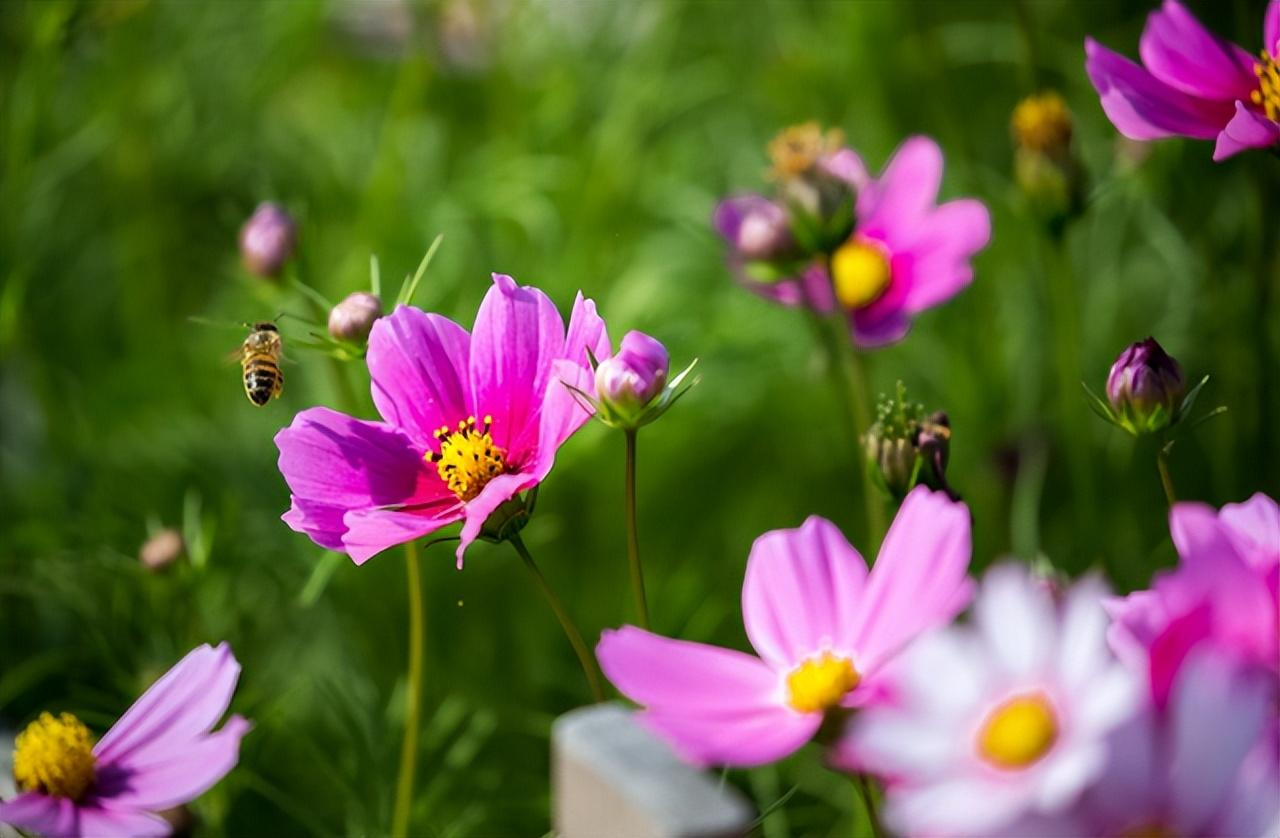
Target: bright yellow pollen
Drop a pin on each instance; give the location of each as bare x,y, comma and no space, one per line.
801,147
1042,123
1267,96
860,272
54,756
1018,732
819,683
468,457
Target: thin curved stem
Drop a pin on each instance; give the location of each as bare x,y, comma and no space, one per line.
585,658
1166,479
413,697
633,534
863,786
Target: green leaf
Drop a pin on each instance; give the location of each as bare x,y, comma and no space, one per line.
408,289
1189,400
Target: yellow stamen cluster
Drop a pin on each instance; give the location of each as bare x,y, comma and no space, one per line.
860,273
1018,732
1267,96
54,755
801,147
821,682
1042,123
468,458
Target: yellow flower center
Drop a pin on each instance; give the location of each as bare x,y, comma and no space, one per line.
800,147
54,756
1267,96
819,683
468,458
860,272
1042,123
1018,732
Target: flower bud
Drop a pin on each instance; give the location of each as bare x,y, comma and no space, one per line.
351,319
631,379
1045,167
755,227
161,550
267,240
1145,387
891,444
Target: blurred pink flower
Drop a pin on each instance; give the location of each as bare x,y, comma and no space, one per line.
1225,590
160,754
470,421
1000,719
1194,84
823,627
907,253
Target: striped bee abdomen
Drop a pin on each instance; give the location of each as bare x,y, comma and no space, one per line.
263,380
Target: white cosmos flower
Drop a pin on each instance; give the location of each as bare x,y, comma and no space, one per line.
1003,718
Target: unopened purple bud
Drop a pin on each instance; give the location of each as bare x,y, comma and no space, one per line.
267,240
754,226
1146,386
351,319
632,378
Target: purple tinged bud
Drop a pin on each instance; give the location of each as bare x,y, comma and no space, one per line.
755,227
1146,386
352,319
634,377
267,240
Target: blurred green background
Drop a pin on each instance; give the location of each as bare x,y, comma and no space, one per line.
573,145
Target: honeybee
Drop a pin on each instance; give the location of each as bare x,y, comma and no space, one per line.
260,362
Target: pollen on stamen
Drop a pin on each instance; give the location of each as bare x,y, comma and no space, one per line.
468,457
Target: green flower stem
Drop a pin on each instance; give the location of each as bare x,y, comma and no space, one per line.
865,794
1166,479
413,698
571,631
633,534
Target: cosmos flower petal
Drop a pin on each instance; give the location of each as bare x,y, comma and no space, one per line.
370,531
895,207
870,333
159,780
913,584
941,262
50,816
1142,107
846,165
1180,52
495,493
1254,526
1271,28
1068,774
897,745
418,365
105,822
185,702
1082,652
1217,716
800,592
1015,617
518,334
954,807
1246,130
562,411
755,737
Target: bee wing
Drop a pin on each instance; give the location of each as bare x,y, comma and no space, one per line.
235,356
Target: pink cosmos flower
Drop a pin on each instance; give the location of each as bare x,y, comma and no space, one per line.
162,753
1225,590
1004,718
1194,84
823,627
469,422
907,253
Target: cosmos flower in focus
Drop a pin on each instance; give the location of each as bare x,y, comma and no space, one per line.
1192,83
470,421
1004,718
162,753
823,627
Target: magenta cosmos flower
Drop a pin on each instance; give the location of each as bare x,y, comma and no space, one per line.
162,753
469,422
823,627
1225,590
1194,84
907,253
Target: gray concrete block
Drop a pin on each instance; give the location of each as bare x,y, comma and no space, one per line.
611,778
